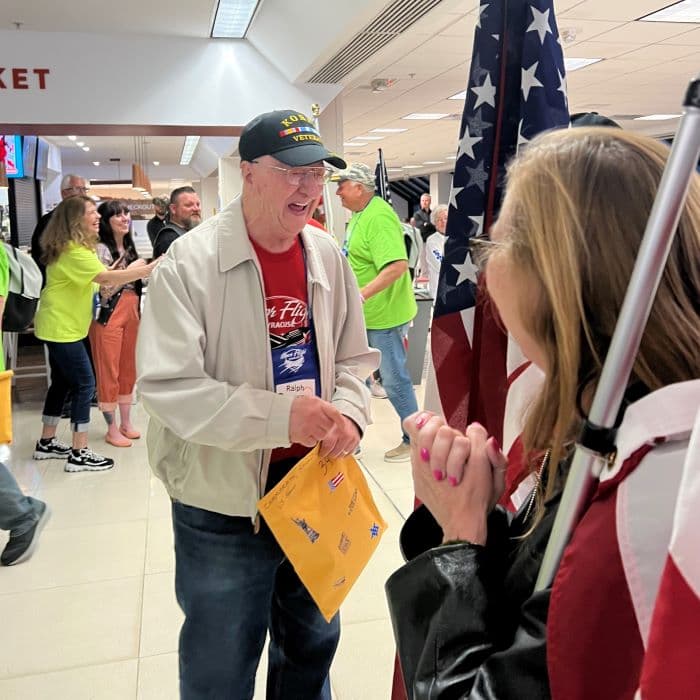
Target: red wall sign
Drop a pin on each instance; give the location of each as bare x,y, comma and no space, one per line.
23,78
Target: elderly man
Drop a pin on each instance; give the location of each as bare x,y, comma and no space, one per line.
160,206
252,350
377,255
71,185
184,213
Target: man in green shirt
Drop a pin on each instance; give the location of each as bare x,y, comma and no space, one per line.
377,255
22,515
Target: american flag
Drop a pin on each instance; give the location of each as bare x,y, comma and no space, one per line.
516,89
676,617
381,179
336,481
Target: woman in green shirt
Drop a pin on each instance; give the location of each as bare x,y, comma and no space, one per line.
66,307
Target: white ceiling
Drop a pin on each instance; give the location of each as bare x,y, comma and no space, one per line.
646,70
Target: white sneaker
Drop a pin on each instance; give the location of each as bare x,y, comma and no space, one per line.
377,391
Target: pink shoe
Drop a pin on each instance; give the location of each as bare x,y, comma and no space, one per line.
131,434
118,441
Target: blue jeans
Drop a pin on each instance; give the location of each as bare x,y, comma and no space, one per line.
70,371
234,586
395,377
18,512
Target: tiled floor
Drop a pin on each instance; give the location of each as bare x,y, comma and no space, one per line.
93,614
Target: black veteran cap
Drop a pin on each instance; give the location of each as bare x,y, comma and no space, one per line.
289,136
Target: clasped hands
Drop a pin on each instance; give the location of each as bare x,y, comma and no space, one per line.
458,476
313,420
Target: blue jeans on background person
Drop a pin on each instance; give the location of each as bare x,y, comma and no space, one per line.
18,513
394,369
233,585
70,370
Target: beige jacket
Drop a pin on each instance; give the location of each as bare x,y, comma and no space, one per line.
205,368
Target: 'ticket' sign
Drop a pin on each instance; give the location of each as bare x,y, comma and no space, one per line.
23,78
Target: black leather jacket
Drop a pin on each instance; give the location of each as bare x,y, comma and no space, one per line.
466,621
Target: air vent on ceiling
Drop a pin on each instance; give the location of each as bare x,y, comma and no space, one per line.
394,20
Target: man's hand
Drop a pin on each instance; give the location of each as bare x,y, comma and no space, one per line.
341,441
312,420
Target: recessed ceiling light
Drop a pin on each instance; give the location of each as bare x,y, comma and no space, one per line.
156,162
386,131
459,96
656,117
425,115
350,144
451,157
410,167
684,11
72,138
86,148
394,170
95,162
572,64
370,138
233,18
188,149
80,143
433,162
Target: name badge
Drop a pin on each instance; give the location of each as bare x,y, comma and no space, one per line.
301,387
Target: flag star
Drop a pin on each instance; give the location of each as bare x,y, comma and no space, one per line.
476,124
467,271
477,176
540,23
481,11
521,139
477,72
466,144
479,221
485,93
529,80
563,89
454,192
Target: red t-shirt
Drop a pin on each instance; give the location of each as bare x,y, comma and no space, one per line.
286,303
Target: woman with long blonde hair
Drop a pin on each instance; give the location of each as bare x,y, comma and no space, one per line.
557,267
66,307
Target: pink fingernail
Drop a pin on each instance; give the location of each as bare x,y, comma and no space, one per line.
439,476
452,480
496,444
421,421
424,454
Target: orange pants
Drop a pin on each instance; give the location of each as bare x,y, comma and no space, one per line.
114,353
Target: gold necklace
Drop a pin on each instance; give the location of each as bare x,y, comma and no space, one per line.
538,479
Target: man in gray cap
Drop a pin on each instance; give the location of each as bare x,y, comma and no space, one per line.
377,255
253,350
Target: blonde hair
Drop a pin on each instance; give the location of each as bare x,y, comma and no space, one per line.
575,211
66,226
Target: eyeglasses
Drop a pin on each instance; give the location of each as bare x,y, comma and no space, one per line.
82,190
319,176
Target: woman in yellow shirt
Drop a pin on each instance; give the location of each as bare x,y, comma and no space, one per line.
66,308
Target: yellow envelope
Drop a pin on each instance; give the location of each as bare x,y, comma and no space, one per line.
6,406
326,522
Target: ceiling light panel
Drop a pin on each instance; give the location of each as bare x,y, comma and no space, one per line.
572,64
233,18
656,117
686,11
425,115
188,149
387,131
